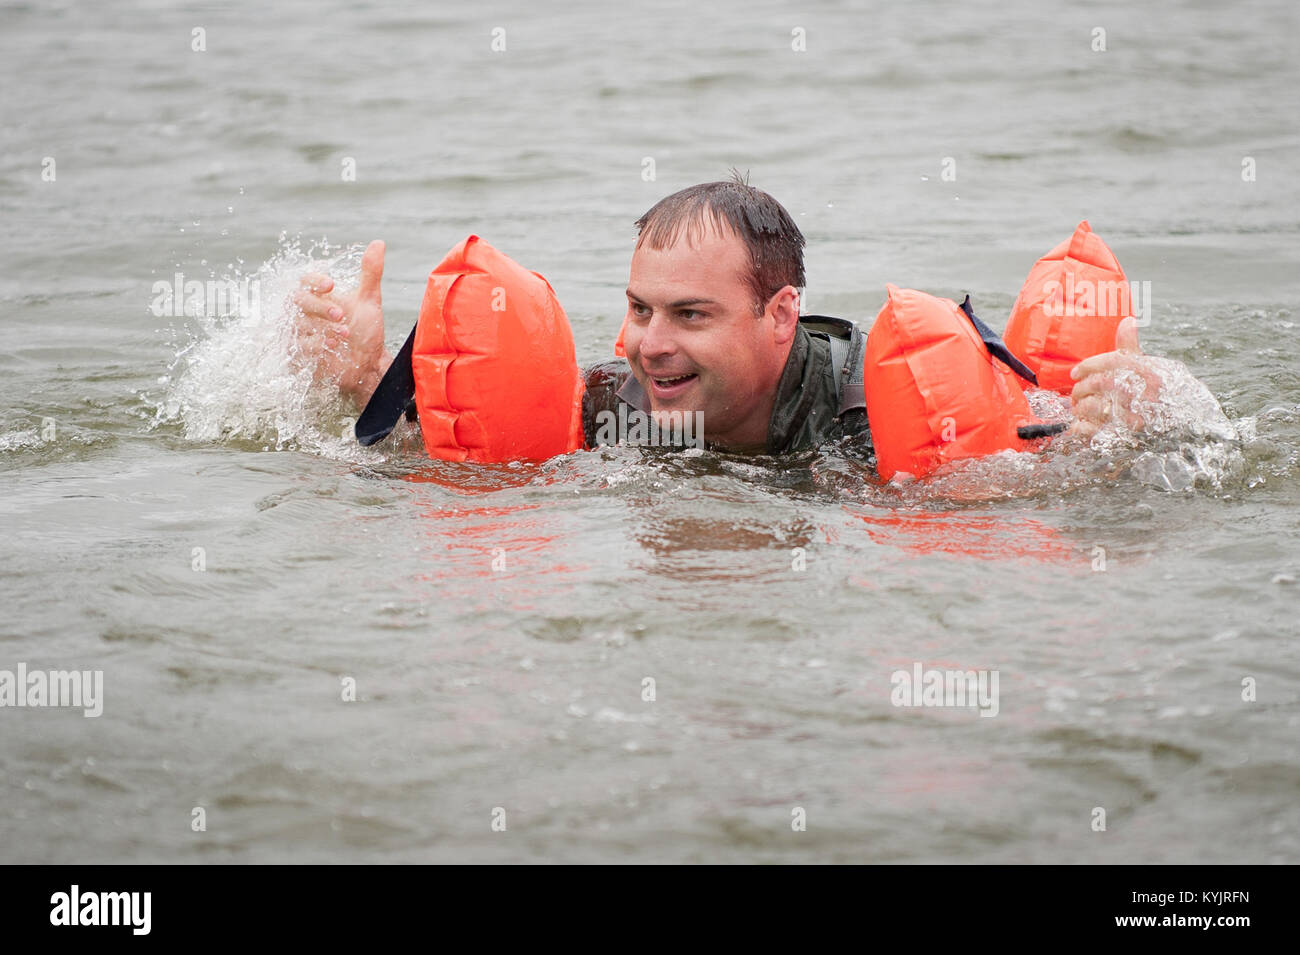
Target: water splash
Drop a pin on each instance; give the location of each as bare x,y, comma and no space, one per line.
23,440
236,378
1185,441
1181,404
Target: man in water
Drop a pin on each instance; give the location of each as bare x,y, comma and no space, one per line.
712,326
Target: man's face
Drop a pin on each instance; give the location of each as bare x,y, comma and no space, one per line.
694,342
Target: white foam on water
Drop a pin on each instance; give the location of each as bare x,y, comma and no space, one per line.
237,379
27,440
1182,403
1185,440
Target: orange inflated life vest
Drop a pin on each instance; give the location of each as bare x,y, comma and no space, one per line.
934,392
496,374
1068,309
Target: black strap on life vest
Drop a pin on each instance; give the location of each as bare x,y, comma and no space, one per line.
996,347
394,397
1027,432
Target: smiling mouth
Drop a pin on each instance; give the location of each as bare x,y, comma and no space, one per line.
669,388
669,382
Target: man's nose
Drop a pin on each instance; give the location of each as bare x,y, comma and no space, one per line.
658,338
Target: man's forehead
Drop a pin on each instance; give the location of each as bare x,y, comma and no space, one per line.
714,258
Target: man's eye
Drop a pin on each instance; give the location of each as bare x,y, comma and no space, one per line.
640,311
690,314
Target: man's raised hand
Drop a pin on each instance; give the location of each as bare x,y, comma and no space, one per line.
341,335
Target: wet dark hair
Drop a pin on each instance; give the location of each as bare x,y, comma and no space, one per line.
774,242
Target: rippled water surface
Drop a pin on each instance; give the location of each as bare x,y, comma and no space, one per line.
180,510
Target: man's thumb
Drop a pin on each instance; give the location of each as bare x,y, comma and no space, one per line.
1126,336
372,270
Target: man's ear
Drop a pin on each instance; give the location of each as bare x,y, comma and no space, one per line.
784,309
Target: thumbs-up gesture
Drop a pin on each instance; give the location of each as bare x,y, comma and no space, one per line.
341,335
1109,384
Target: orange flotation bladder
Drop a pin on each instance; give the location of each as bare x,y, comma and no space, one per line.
1068,309
934,392
496,374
